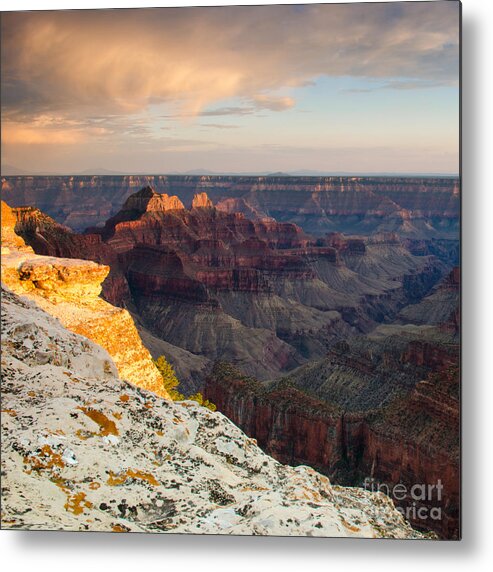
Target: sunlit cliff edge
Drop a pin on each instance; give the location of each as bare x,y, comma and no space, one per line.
69,290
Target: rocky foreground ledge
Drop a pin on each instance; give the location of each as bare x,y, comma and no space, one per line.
84,450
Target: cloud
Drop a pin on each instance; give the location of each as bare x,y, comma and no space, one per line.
404,85
50,130
220,111
21,135
273,103
79,86
253,105
123,61
219,125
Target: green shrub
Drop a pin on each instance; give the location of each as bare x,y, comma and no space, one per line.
171,383
199,398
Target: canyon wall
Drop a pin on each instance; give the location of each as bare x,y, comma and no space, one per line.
412,442
379,409
412,206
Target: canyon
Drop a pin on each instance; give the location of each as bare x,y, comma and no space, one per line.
87,445
204,284
382,407
321,315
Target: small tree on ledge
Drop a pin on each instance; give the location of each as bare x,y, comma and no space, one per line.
171,383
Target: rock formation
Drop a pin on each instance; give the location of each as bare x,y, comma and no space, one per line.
201,200
69,290
259,293
83,450
49,238
206,281
10,239
147,200
440,306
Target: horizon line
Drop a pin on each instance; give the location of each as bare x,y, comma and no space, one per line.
235,174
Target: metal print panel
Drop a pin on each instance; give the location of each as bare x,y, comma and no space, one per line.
231,270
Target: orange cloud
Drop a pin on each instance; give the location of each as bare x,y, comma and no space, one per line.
47,131
21,135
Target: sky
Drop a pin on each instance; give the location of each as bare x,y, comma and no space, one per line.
356,88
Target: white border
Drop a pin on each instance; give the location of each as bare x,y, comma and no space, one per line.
83,552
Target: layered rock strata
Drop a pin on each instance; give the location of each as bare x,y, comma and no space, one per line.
416,207
217,285
440,306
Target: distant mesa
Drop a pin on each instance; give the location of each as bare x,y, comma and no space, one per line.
201,200
148,200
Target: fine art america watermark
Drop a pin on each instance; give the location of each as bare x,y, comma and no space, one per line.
422,497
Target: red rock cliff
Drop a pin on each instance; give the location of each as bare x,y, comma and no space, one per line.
413,441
